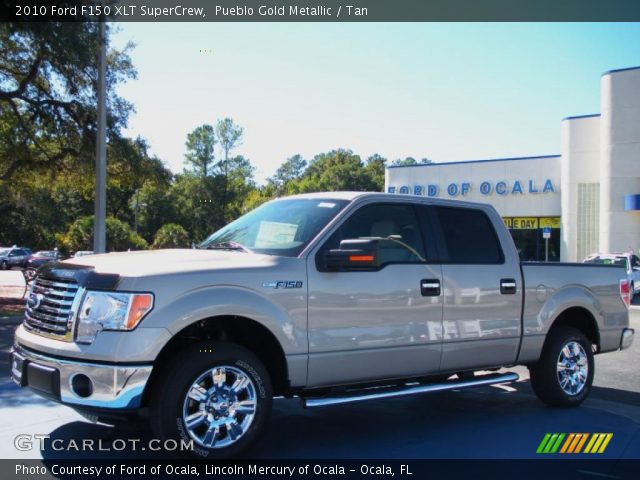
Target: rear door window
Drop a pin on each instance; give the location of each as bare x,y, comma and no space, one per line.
467,237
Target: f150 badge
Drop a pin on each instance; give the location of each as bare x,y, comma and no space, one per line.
283,284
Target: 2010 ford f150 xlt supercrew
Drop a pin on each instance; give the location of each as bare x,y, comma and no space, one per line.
320,296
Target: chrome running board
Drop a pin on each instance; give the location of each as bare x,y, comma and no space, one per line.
376,393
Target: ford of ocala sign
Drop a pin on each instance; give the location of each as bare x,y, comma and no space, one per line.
517,187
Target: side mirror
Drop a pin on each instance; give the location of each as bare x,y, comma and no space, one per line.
353,255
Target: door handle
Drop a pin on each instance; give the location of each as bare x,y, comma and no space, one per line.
430,287
508,286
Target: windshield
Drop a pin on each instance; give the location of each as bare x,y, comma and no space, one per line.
282,227
609,261
45,253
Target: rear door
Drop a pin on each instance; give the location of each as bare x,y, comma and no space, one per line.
482,290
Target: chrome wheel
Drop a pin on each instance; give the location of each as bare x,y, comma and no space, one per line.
219,407
573,368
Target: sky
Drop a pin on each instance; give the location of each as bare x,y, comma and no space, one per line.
445,91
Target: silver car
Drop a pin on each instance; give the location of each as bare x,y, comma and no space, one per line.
14,257
629,261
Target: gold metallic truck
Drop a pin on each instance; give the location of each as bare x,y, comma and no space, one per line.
319,296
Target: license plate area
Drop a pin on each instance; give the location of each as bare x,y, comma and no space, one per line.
46,380
43,379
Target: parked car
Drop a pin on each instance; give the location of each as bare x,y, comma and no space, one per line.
43,256
629,261
14,257
321,296
82,253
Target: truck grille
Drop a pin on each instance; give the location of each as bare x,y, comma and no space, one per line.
48,309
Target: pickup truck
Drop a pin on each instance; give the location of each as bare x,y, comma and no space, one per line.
321,296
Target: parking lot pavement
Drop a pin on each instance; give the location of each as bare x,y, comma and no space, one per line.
11,284
489,422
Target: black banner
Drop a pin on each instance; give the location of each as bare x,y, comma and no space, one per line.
317,469
322,10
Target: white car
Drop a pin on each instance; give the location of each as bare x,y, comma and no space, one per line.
630,261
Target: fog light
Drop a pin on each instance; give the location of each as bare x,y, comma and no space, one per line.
81,385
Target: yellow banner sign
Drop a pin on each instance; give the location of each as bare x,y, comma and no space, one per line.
550,222
531,223
521,223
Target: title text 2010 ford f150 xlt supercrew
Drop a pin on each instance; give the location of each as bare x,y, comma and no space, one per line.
319,296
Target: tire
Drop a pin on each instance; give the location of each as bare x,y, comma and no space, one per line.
219,413
4,265
569,386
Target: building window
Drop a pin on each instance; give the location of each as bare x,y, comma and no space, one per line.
588,219
528,235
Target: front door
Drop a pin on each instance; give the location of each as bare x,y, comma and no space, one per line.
387,323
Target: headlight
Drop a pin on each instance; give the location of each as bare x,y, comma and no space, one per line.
110,311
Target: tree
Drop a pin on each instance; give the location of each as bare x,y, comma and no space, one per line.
156,206
119,236
410,161
333,171
197,202
200,149
291,169
48,73
239,183
375,167
230,137
171,235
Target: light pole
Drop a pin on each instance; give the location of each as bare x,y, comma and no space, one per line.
100,212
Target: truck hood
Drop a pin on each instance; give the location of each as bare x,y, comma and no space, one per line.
160,262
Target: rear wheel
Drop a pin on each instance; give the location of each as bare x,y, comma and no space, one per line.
217,395
564,374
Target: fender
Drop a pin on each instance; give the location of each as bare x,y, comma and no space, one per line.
289,328
538,320
569,297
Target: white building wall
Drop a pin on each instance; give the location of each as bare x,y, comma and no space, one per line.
620,159
580,164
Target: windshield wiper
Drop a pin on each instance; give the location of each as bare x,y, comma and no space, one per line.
228,245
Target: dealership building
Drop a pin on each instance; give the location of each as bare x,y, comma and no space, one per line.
561,207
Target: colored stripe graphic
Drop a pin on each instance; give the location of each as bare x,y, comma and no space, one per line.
582,442
597,442
543,443
568,442
550,443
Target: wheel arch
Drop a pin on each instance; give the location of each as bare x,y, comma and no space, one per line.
581,319
238,330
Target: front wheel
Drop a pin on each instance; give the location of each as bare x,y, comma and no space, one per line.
564,374
4,265
216,395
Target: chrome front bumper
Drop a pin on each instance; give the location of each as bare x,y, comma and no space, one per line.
105,386
627,338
